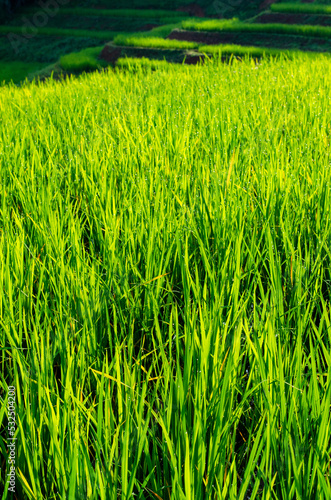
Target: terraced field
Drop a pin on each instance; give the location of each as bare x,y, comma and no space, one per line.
25,41
58,44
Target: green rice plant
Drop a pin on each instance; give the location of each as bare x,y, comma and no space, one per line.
153,42
241,50
134,63
165,281
299,8
159,32
210,24
85,60
240,27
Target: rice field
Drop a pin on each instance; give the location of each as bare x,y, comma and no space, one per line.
165,282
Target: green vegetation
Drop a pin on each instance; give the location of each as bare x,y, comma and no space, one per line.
17,71
159,33
300,8
151,13
210,7
240,50
146,40
85,60
223,49
130,26
154,42
171,5
236,26
165,282
103,35
210,24
66,35
43,49
135,63
103,23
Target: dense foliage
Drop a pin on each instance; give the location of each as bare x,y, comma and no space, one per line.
165,279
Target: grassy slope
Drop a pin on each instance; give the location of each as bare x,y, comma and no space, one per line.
165,272
63,29
77,16
269,39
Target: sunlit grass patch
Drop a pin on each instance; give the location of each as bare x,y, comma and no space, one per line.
134,63
299,8
241,50
165,281
154,42
84,60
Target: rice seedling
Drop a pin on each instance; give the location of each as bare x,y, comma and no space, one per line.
132,63
165,282
240,50
153,42
299,8
158,32
85,60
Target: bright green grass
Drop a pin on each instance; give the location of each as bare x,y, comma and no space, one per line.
17,71
240,50
153,42
165,282
237,26
159,32
85,60
134,63
301,8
